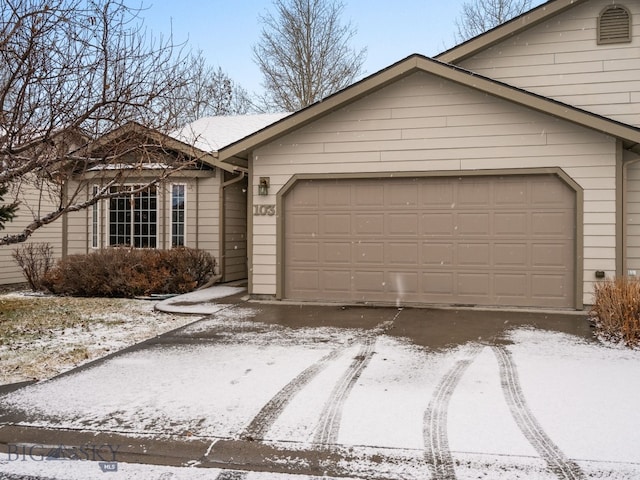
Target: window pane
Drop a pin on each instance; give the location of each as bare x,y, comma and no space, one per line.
145,218
95,220
120,220
177,215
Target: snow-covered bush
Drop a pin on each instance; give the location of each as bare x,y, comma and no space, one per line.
616,310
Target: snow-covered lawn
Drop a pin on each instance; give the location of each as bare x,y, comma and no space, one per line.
42,336
537,404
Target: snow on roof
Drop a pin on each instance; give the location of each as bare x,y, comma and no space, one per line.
213,133
129,166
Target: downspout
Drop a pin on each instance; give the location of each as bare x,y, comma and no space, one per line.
222,217
197,213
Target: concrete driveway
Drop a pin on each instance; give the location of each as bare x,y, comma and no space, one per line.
257,390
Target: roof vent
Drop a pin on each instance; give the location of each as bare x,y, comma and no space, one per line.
614,25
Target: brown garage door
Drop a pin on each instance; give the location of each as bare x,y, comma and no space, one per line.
485,240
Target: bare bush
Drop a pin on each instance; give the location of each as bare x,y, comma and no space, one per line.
616,310
129,272
35,260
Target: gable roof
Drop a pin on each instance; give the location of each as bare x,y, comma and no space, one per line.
508,29
158,139
239,150
213,133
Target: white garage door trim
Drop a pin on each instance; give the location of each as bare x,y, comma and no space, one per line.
578,273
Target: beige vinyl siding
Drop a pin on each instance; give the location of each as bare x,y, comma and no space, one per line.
235,230
430,124
632,215
78,234
52,233
561,59
205,206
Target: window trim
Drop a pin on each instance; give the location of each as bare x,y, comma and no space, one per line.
95,219
184,209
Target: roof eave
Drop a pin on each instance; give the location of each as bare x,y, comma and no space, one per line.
512,27
414,63
241,148
162,139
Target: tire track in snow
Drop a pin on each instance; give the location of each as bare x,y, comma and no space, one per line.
436,440
231,475
556,461
331,416
266,417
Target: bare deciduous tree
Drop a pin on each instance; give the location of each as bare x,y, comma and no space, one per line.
304,53
478,16
70,71
208,92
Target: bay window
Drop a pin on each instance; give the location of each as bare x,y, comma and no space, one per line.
133,218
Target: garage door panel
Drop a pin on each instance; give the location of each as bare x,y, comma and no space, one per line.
436,194
485,240
398,254
401,195
549,255
474,193
473,224
552,287
305,224
550,224
473,284
512,286
368,253
402,283
336,196
369,224
335,224
306,197
548,193
403,224
512,194
511,254
306,280
305,252
369,195
474,254
437,224
369,281
437,254
440,284
336,252
509,224
336,280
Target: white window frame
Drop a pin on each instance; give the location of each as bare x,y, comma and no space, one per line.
96,229
184,209
132,223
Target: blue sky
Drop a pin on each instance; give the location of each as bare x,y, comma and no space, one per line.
226,30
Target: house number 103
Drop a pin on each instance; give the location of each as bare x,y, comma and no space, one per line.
264,210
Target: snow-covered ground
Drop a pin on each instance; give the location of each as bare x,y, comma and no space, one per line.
538,405
111,327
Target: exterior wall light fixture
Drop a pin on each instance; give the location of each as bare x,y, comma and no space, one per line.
263,186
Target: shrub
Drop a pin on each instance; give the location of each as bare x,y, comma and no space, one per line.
616,310
35,260
128,272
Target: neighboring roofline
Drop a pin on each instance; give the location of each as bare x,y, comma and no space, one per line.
162,139
418,63
508,29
